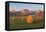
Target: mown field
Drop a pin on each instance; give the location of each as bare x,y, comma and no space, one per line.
20,22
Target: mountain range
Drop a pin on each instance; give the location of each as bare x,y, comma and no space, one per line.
23,12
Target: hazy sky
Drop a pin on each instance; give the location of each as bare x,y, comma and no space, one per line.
19,6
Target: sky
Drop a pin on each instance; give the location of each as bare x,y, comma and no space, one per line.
19,6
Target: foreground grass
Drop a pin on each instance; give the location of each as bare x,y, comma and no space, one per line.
21,23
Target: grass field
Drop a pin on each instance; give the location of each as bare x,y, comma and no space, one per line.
20,23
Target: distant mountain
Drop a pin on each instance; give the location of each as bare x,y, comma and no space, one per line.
25,11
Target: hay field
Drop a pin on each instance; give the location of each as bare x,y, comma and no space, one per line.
20,22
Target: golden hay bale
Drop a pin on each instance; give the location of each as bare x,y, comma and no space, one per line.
29,19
